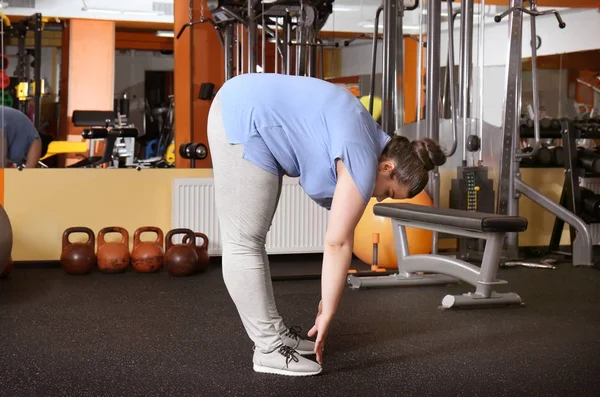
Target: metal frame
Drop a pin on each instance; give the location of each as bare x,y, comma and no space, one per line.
432,99
445,269
511,186
32,23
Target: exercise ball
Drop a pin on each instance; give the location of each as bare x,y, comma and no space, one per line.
419,240
6,239
377,105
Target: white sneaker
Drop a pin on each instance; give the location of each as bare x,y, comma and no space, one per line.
292,338
284,361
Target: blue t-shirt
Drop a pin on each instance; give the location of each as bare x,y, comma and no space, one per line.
298,126
19,133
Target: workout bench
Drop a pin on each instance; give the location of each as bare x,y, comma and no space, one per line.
440,269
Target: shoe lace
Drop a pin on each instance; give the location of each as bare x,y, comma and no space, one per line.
288,353
294,332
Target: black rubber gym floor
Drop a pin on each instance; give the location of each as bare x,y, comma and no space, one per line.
154,335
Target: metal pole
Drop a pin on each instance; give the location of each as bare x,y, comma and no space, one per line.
242,47
276,44
399,75
481,74
264,38
389,63
37,72
432,114
312,53
466,69
22,68
419,78
252,39
508,198
228,51
322,59
287,34
238,51
374,59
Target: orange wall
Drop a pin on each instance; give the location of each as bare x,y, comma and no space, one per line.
91,66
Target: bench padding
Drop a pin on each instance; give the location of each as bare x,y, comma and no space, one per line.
468,220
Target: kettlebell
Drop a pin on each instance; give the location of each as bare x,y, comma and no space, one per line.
147,256
8,269
113,257
181,260
78,258
201,250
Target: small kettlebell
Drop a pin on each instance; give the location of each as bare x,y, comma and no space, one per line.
181,260
8,269
201,250
113,257
147,256
78,258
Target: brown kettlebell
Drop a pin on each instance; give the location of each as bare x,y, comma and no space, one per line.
113,257
8,269
181,260
78,258
147,256
201,250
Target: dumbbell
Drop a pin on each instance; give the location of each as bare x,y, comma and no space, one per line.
588,160
590,202
558,156
543,157
193,151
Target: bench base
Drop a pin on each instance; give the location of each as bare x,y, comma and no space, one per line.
473,299
397,280
434,269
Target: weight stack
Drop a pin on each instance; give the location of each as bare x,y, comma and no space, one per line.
472,190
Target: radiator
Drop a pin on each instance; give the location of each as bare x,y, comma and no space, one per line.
298,226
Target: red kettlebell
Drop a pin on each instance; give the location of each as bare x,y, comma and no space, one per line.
147,256
113,257
78,258
181,260
201,250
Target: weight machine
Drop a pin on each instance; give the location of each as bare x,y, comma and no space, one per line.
510,185
237,23
29,89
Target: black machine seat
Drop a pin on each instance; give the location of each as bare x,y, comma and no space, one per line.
468,220
93,118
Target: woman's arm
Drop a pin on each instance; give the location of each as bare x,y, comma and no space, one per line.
346,210
34,153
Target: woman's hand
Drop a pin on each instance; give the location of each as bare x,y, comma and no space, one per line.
321,328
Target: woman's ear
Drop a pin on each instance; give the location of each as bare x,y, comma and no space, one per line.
386,166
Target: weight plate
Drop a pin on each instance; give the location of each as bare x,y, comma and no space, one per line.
201,152
4,80
7,99
309,16
183,150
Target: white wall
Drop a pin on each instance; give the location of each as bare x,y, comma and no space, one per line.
130,68
580,34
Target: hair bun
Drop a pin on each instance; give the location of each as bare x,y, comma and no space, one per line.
429,152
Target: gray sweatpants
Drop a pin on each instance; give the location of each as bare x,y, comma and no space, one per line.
246,199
